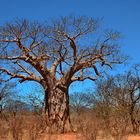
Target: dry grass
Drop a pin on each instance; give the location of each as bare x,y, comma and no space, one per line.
21,127
87,126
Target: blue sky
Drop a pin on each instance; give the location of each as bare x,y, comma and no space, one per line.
121,15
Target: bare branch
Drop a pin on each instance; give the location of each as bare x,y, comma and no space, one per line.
83,78
73,45
54,66
22,77
24,69
96,70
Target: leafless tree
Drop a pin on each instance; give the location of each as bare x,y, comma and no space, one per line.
112,107
133,80
36,103
6,92
119,96
80,101
56,54
14,106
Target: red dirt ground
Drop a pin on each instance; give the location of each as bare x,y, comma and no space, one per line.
72,136
134,138
69,136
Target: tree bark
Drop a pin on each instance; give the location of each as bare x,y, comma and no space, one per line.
57,110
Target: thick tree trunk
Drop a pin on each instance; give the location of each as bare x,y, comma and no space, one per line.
57,110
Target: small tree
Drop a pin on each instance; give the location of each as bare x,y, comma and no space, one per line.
14,106
55,55
79,101
111,106
36,103
119,96
6,92
133,80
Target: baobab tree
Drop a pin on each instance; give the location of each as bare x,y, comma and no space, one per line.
56,54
